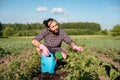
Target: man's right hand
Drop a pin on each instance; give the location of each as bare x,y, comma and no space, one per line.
44,49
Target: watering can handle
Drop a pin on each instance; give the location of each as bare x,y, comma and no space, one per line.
50,55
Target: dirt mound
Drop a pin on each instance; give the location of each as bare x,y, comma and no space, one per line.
58,75
103,58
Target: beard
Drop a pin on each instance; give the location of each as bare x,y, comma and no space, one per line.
56,32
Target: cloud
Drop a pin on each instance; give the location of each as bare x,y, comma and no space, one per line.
66,14
41,9
115,8
58,10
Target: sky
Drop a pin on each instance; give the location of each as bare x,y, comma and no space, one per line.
104,12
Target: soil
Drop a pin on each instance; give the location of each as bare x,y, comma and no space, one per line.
104,58
58,75
5,59
114,64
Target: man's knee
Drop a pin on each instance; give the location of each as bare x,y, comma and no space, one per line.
64,55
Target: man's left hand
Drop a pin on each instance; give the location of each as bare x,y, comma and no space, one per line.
78,48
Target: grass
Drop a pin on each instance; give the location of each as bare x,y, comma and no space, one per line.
98,42
15,44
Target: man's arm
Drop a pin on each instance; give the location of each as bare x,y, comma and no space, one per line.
36,43
75,47
39,37
40,47
71,42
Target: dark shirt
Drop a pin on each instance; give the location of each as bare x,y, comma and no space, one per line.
53,41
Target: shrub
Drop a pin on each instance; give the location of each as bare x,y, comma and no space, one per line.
2,52
103,32
8,31
116,30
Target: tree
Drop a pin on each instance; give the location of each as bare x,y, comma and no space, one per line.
104,32
0,26
116,30
0,29
8,31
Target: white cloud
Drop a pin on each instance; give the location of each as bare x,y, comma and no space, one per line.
41,9
66,14
58,10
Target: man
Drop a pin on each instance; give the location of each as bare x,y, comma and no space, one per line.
53,36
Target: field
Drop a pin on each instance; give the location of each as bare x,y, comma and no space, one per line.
99,60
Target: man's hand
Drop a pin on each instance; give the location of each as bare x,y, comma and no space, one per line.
78,48
44,49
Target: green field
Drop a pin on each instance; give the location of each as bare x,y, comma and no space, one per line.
20,59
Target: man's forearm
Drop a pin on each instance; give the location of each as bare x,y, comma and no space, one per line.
36,43
73,44
75,47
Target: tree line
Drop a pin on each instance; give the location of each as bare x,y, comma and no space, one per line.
72,28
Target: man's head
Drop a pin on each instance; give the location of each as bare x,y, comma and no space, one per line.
52,25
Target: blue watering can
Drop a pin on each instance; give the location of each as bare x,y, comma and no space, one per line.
48,63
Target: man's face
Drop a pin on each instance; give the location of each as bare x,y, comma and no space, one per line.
53,26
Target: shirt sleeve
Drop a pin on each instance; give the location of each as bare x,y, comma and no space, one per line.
66,38
41,35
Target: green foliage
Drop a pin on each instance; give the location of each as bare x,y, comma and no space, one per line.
104,32
80,28
81,25
83,66
0,26
71,28
19,67
2,52
86,66
79,32
0,29
15,45
116,30
8,31
80,66
18,27
26,33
